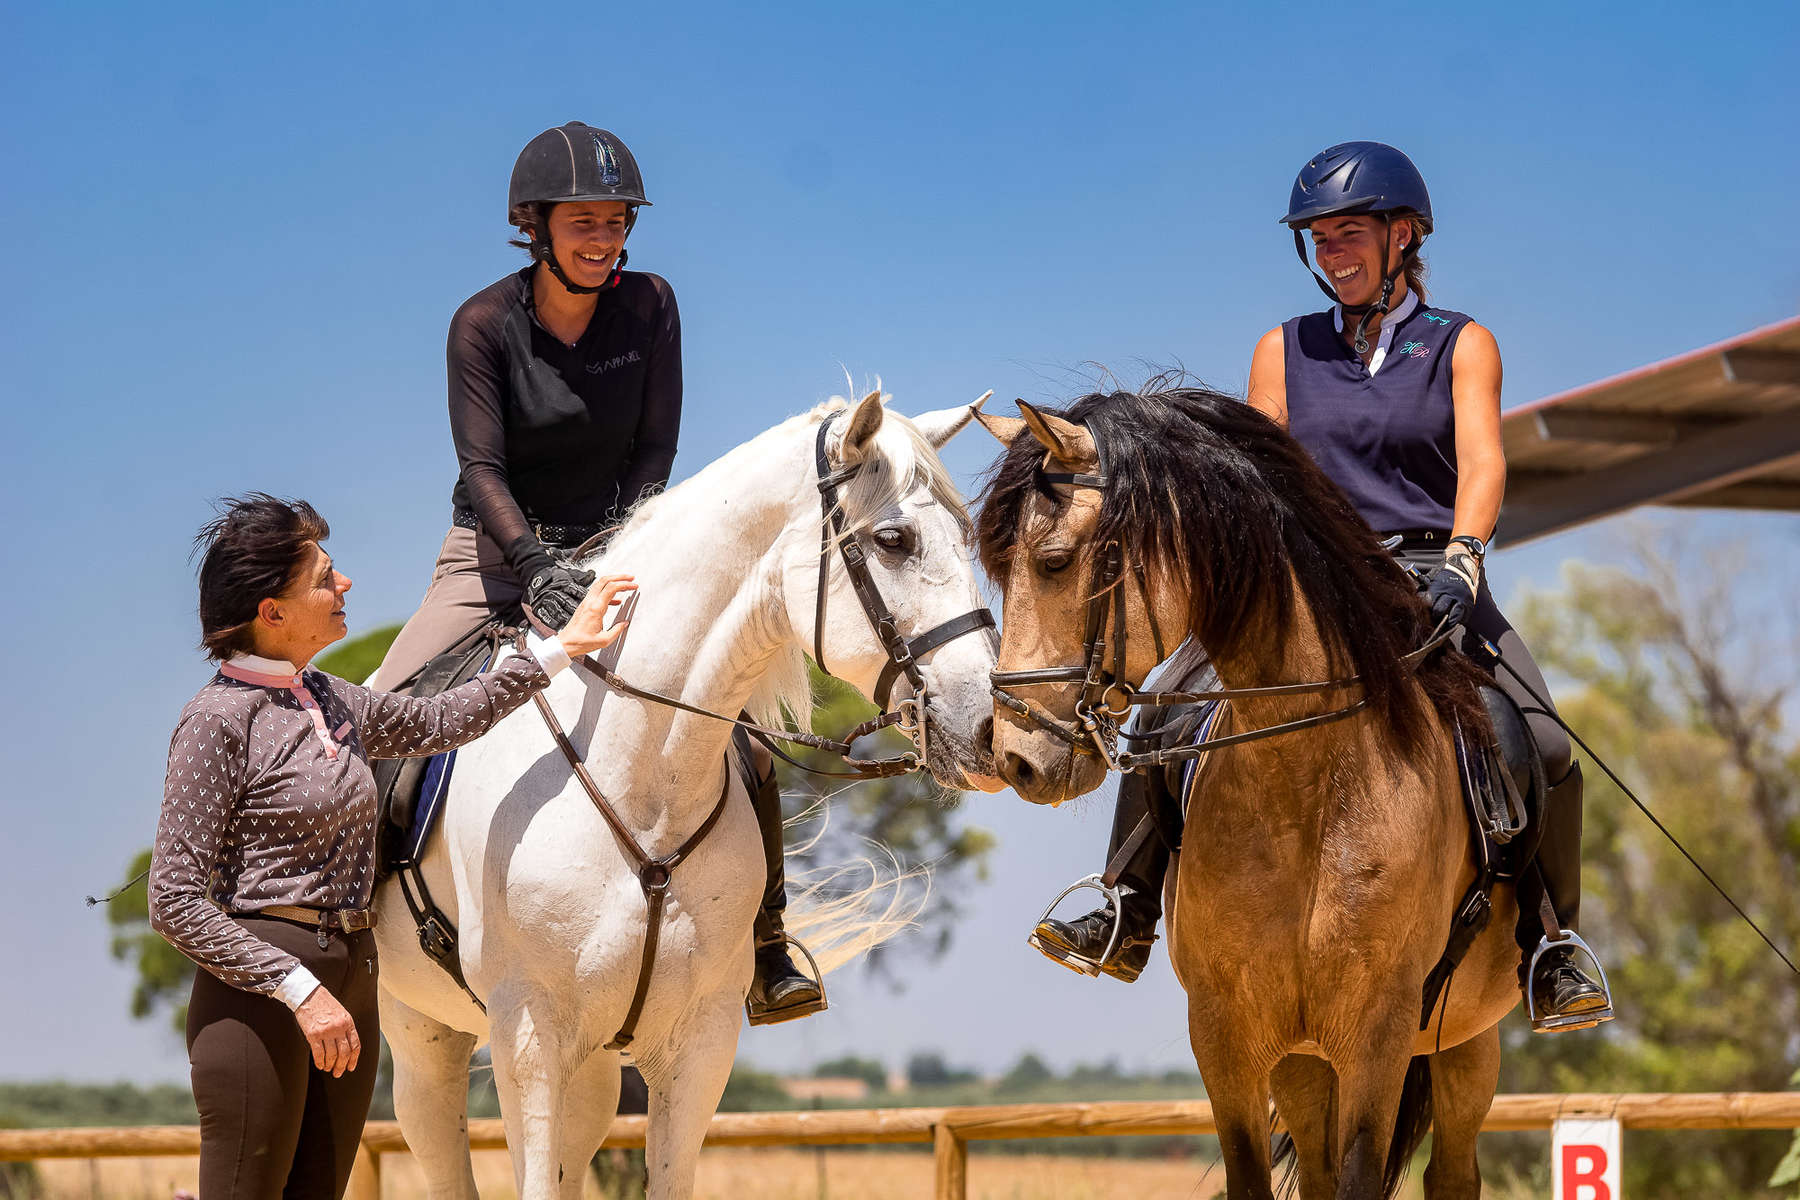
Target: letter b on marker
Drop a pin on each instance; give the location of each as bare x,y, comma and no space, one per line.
1585,1159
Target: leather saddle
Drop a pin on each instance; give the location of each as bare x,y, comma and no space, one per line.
402,824
1504,791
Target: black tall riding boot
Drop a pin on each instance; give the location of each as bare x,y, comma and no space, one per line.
1562,995
780,991
1082,944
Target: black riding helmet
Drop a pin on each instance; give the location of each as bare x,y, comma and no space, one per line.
572,162
1360,177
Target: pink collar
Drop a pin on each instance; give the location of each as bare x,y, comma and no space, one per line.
245,669
241,669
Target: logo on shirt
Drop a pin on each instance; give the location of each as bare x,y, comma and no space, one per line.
603,365
1415,349
1439,320
606,160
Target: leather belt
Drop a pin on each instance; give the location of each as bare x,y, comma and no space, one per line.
562,537
346,920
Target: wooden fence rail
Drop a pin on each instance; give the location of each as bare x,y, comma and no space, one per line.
950,1130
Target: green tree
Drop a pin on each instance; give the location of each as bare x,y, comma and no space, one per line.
1667,673
850,1066
1028,1074
928,1069
357,658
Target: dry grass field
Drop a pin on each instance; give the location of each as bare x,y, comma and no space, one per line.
735,1174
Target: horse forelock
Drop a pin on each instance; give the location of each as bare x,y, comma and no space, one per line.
903,463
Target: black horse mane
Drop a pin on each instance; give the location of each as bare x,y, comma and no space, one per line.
1206,487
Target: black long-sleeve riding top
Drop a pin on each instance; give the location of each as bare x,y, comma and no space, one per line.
566,435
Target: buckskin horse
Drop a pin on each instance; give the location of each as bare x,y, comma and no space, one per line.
587,929
1326,844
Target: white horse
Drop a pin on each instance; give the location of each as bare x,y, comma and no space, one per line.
549,911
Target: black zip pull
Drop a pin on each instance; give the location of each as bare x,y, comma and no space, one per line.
324,937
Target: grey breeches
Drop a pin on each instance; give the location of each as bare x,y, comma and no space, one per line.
470,583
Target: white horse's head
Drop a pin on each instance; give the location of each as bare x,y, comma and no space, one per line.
898,508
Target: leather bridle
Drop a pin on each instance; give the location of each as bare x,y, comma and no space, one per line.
1108,697
903,654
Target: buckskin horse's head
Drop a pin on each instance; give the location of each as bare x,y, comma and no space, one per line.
1077,606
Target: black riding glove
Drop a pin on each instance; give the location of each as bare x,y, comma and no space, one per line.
553,590
1451,592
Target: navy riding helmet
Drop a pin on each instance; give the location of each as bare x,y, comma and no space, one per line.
1359,177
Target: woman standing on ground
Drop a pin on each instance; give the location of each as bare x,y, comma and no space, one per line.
264,863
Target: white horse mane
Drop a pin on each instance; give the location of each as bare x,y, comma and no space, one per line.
903,463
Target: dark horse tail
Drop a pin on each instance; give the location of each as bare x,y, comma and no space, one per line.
1411,1123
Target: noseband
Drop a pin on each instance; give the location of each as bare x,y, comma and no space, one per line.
902,654
1107,696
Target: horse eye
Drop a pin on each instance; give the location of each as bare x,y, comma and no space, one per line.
1055,561
891,539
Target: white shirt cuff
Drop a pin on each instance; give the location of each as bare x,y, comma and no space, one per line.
548,651
294,990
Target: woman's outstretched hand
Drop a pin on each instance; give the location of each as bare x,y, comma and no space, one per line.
587,630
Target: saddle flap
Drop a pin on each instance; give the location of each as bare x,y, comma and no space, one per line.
1502,779
402,823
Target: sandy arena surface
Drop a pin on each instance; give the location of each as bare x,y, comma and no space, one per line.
740,1174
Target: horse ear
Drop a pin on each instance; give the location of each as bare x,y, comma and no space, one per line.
939,426
859,432
1004,429
1065,440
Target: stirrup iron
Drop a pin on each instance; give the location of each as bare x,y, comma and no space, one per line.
793,1011
1075,962
1580,1020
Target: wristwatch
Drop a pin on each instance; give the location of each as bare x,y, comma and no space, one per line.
1476,546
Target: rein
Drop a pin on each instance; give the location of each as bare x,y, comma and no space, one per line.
1107,698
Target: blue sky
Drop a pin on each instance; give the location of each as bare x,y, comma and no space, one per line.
236,235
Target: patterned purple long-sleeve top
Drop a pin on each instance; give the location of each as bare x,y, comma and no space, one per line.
269,798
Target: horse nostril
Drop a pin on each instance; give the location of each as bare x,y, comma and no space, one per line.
1016,771
984,734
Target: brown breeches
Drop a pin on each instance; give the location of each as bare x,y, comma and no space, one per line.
271,1124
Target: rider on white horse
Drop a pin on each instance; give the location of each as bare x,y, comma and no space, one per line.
565,405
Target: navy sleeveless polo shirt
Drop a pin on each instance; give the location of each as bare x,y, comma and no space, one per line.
1387,439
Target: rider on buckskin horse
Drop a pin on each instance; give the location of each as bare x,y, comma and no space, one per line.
565,404
1399,403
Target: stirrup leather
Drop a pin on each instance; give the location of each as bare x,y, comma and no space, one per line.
1079,963
1545,1023
793,1010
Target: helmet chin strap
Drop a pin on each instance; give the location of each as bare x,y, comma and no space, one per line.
545,253
1364,312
